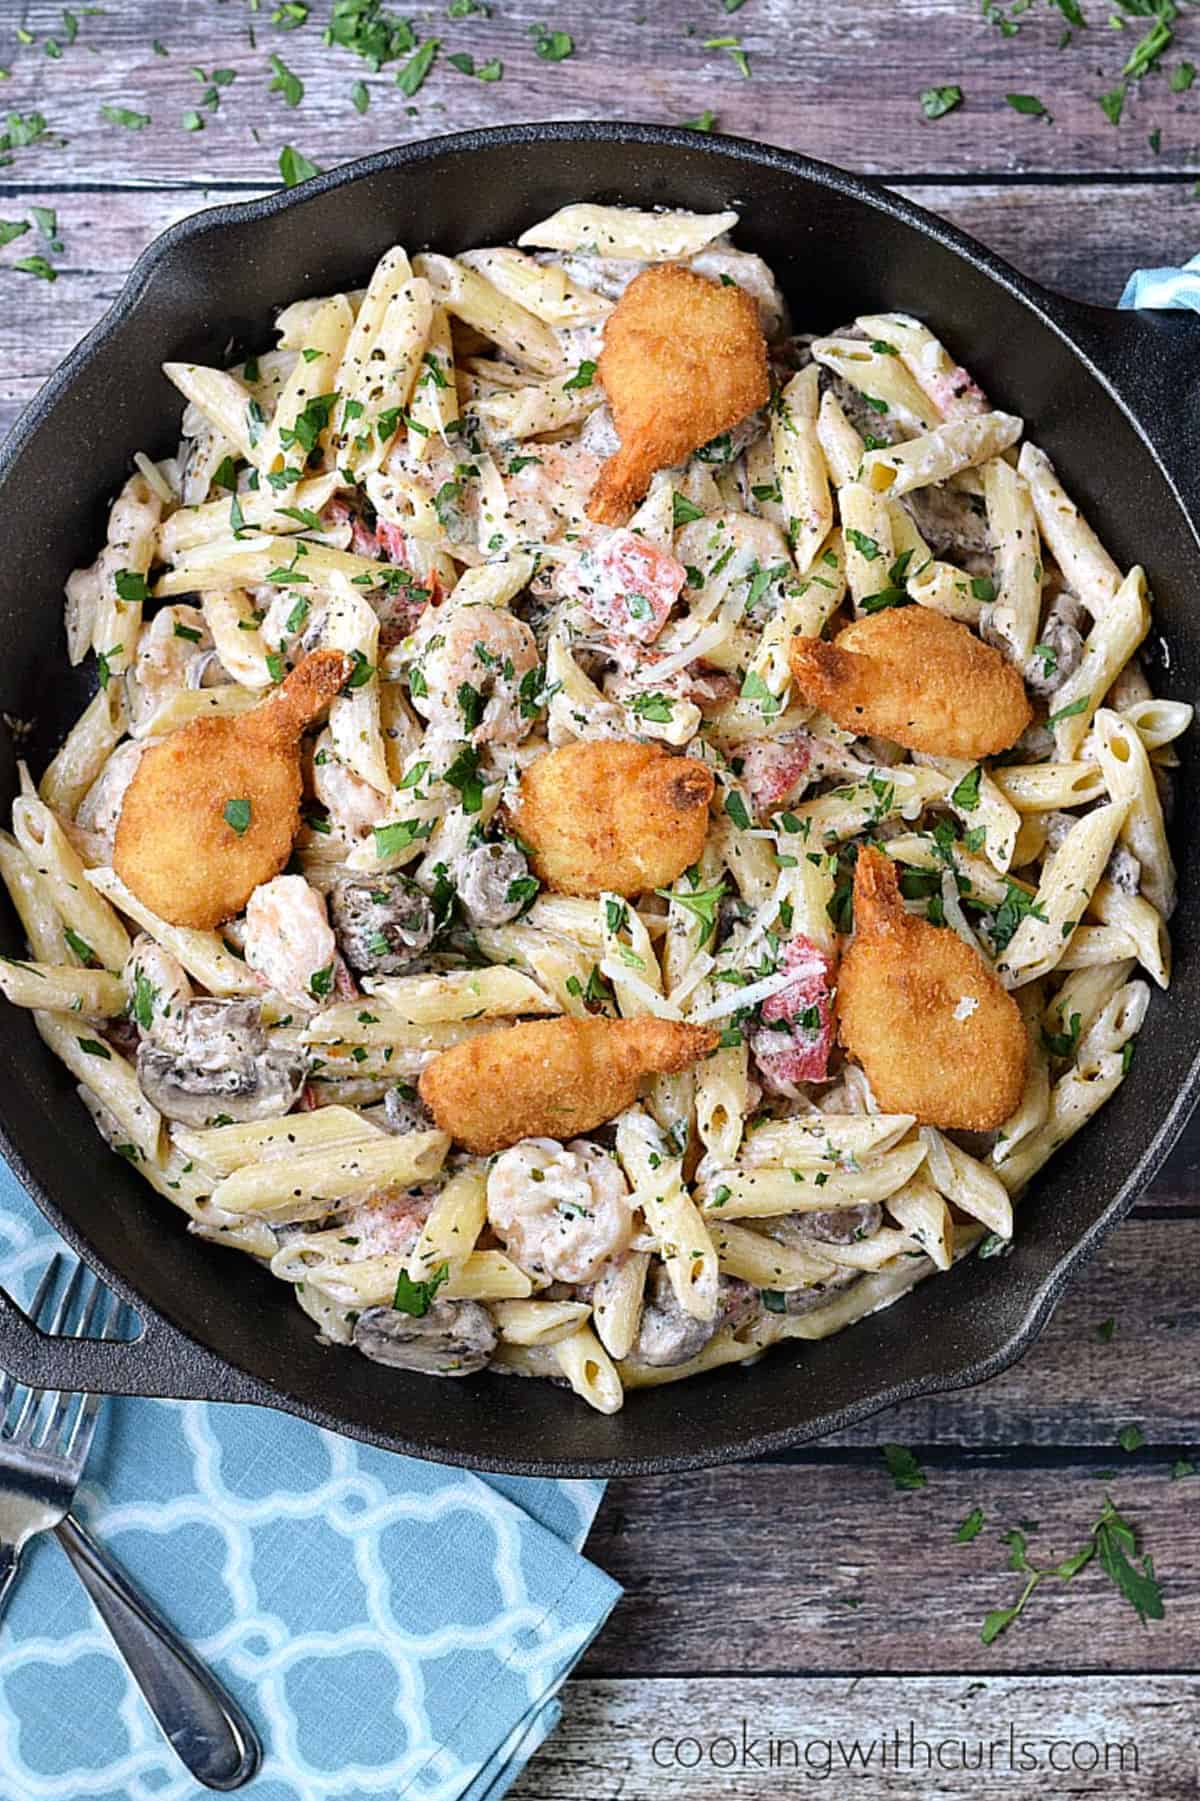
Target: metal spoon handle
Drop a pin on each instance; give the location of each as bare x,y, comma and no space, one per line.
206,1728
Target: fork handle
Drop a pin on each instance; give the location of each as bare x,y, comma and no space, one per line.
204,1726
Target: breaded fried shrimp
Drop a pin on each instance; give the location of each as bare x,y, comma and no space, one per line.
212,810
684,359
613,816
919,1009
918,678
552,1078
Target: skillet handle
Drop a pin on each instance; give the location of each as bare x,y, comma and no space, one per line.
1151,361
163,1363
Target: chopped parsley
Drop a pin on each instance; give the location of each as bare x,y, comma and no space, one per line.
971,1527
416,1298
937,102
126,116
1076,707
412,76
295,167
656,707
966,793
80,946
131,586
237,815
735,808
321,982
551,46
866,547
903,1468
683,510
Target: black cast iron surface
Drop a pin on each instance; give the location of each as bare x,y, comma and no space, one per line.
1112,397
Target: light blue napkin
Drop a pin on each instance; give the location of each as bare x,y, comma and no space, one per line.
393,1628
1158,289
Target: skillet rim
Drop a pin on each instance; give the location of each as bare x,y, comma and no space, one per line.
1073,322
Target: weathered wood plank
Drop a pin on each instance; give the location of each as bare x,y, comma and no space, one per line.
840,81
925,1738
1081,239
826,1567
1076,1387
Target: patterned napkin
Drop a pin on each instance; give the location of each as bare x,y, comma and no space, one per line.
1161,288
393,1628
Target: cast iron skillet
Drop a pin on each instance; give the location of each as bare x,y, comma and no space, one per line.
1114,399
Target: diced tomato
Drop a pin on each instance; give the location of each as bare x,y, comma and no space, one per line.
401,608
629,586
773,769
794,1040
393,542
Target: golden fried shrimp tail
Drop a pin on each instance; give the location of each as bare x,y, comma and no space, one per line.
932,1027
918,678
212,811
552,1078
684,359
306,692
613,816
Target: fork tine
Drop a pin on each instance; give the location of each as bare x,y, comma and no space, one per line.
62,1404
83,1431
26,1420
8,1383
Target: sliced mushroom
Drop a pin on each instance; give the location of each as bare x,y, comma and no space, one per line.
668,1335
797,1301
484,878
832,1225
382,922
455,1338
953,523
1060,645
220,1066
404,1111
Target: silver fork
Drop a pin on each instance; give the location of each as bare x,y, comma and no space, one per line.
44,1441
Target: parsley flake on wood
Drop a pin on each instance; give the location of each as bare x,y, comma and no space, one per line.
551,46
937,102
126,116
411,78
903,1468
295,167
971,1527
286,82
1029,104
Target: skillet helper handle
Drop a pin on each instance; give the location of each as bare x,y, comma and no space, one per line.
204,1726
162,1364
1152,361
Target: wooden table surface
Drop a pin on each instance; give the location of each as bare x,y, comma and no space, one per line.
803,1598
